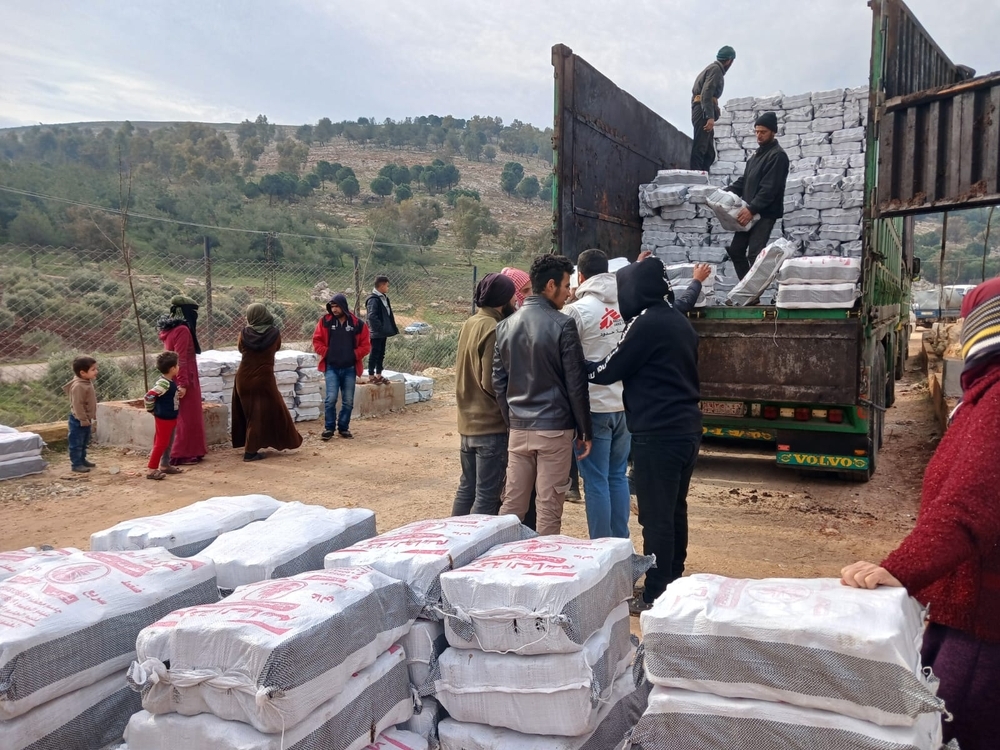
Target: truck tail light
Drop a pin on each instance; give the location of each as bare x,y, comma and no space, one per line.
835,416
802,414
770,412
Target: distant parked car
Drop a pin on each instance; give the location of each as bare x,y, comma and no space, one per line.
418,327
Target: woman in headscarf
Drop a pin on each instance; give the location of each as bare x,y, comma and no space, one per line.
260,417
951,559
522,284
178,332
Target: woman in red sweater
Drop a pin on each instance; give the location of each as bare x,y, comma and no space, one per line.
951,559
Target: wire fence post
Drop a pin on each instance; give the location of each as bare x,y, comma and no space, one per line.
208,294
357,286
475,273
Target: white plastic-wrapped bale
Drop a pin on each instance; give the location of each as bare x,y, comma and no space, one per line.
423,644
666,195
566,587
20,453
420,552
816,296
817,248
852,249
425,720
824,182
293,539
812,643
727,207
828,97
840,232
272,652
671,255
66,623
826,270
841,216
681,177
678,720
804,217
397,739
551,694
761,274
616,718
679,213
188,530
711,255
823,201
91,717
15,561
371,701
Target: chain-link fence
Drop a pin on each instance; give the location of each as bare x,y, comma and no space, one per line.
60,302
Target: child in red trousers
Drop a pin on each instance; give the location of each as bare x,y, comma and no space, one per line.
163,402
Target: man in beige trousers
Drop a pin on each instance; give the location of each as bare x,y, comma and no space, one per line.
540,381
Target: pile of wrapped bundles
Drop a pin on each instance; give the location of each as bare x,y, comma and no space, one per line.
540,646
791,663
20,453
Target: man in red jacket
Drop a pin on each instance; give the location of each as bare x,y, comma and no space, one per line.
951,559
341,340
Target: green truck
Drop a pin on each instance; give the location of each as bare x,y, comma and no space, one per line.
810,385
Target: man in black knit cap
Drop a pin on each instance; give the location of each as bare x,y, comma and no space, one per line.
762,187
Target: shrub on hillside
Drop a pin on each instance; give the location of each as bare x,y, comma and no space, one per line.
112,384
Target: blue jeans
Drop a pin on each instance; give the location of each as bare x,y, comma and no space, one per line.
339,381
484,468
662,466
79,439
605,485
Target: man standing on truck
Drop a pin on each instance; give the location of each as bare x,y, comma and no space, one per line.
705,111
762,187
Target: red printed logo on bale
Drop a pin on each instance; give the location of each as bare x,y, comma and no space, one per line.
778,593
276,590
82,572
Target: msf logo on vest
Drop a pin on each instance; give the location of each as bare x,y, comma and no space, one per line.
610,318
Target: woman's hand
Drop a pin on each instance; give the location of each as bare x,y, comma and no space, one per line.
181,391
866,575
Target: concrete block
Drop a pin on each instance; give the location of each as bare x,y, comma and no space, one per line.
952,381
371,399
127,424
50,432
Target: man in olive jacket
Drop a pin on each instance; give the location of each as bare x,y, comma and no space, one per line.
762,186
480,424
705,95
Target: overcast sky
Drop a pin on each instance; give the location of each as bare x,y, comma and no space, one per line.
299,60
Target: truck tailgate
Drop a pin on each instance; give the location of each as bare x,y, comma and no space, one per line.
813,361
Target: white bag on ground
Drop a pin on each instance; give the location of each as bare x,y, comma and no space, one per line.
808,642
727,207
65,623
616,718
91,717
397,739
822,270
816,296
563,587
294,539
553,694
372,701
272,652
13,562
420,552
679,719
188,530
423,645
761,274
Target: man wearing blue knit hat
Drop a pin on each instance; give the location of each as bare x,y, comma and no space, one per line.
705,111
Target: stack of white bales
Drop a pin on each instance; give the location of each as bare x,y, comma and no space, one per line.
418,387
67,632
815,283
743,664
217,375
20,453
292,540
306,662
188,530
539,635
309,388
286,375
418,554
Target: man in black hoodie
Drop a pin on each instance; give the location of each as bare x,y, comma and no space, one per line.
657,362
762,186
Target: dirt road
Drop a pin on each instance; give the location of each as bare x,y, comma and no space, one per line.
748,518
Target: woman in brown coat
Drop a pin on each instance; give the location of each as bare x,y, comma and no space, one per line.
260,418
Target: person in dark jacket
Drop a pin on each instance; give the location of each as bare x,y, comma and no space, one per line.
708,87
341,340
950,561
382,326
657,362
540,381
762,187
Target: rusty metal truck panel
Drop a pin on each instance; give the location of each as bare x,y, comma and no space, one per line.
606,144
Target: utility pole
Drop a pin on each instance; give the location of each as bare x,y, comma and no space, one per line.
208,295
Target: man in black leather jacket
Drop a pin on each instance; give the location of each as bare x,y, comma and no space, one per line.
657,361
540,380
